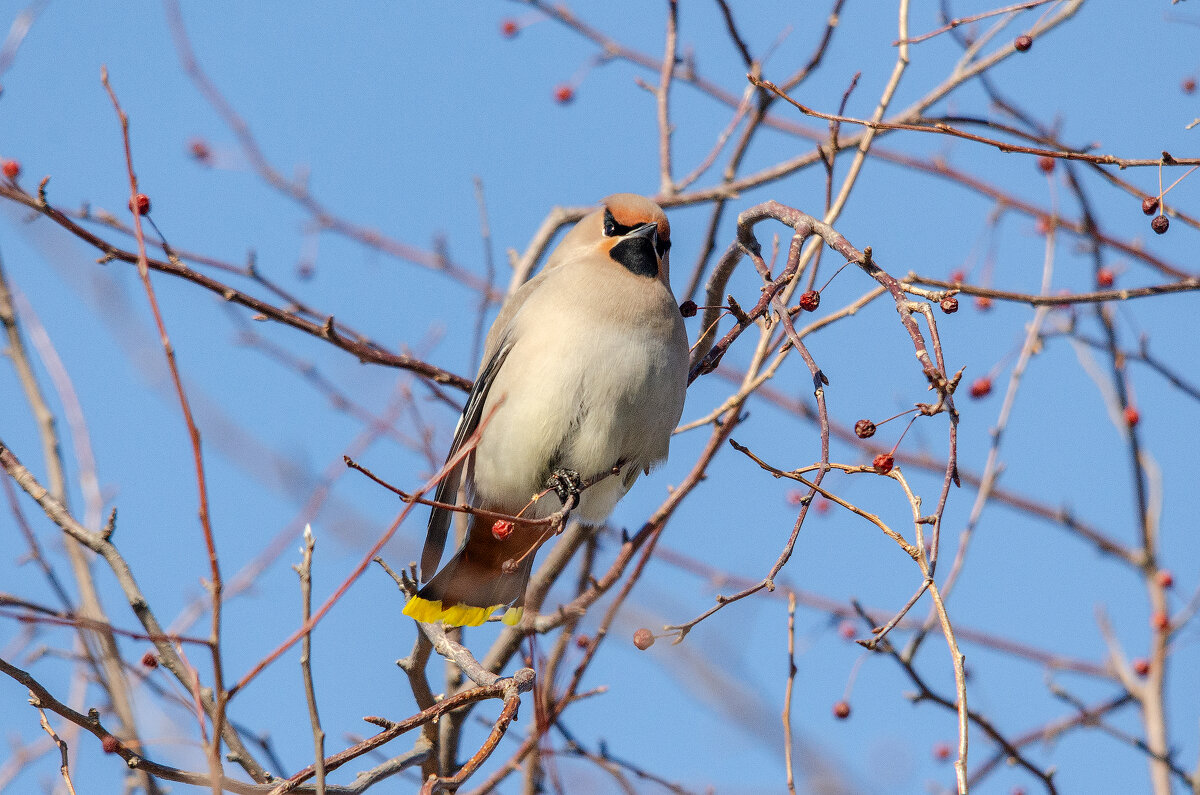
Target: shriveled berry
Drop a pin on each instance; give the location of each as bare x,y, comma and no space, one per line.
509,28
110,744
582,641
1160,621
1105,278
1160,224
883,463
140,204
1165,578
983,303
1023,42
1141,666
949,305
981,387
501,529
841,710
1132,416
643,639
1150,205
1046,164
810,300
564,94
688,308
12,169
1188,86
864,429
150,660
199,150
941,751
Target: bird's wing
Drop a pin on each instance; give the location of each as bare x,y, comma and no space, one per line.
447,490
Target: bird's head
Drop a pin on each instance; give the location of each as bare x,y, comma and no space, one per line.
629,230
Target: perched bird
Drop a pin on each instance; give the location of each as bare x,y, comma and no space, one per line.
584,371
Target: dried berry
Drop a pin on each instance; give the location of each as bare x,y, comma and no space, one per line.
1023,42
582,641
949,305
981,387
1104,277
509,28
1150,205
841,710
12,169
883,463
958,276
983,303
794,497
1046,164
864,429
1164,578
140,204
1141,666
1132,416
1188,85
688,308
846,630
564,94
1160,224
199,150
643,639
150,660
941,751
810,300
501,529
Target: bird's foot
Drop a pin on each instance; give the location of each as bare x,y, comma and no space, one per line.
565,483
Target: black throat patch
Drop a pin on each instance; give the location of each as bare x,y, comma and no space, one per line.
637,255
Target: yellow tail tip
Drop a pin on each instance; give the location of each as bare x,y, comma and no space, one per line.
459,615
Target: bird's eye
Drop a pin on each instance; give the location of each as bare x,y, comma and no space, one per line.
610,223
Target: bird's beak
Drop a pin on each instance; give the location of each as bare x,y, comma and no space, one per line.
649,231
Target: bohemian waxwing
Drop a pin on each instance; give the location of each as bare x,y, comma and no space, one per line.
584,370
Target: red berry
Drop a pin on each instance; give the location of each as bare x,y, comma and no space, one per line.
1046,164
109,744
1132,416
864,429
140,204
150,660
1160,621
823,506
1023,42
688,308
846,630
981,387
509,28
564,94
12,169
501,529
1105,278
941,751
983,303
883,463
958,276
199,150
1141,666
841,710
1188,85
1150,205
643,639
794,497
1165,578
582,641
810,300
1160,224
949,305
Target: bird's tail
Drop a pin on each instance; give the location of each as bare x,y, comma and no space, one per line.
469,588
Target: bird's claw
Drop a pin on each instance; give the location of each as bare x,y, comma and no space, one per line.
565,483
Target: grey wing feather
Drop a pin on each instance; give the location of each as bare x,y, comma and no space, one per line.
447,490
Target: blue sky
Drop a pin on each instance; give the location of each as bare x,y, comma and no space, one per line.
391,111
